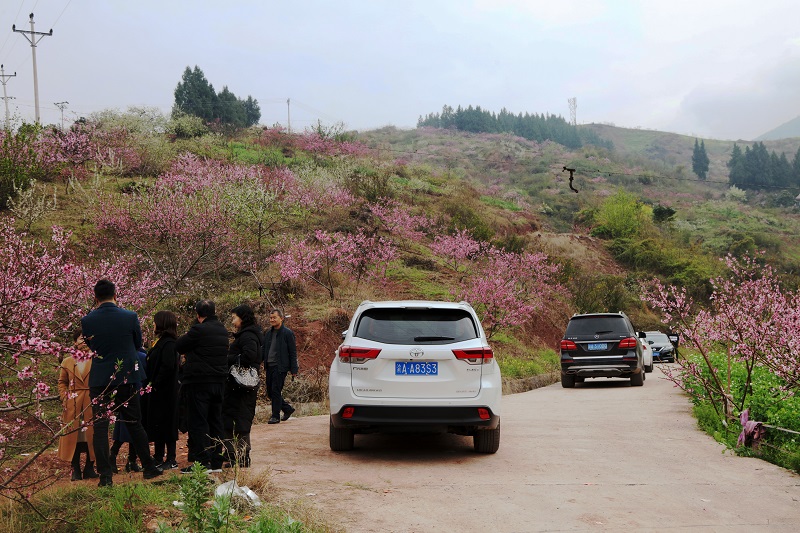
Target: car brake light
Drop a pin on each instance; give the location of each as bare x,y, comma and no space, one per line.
352,354
629,342
483,413
348,412
475,356
568,346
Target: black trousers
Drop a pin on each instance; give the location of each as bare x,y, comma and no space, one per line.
206,430
275,381
123,402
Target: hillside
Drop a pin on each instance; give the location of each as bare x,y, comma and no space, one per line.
786,130
317,222
674,150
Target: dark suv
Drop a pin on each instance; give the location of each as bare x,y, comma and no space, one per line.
601,345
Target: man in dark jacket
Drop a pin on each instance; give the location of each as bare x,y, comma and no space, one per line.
115,337
205,370
280,358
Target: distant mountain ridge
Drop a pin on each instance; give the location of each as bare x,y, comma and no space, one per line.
784,131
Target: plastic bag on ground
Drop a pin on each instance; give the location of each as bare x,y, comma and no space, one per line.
232,489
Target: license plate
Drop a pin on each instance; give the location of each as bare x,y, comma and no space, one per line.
413,368
656,354
598,346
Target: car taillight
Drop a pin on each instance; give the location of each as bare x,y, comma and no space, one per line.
348,412
475,356
483,413
567,346
630,342
355,355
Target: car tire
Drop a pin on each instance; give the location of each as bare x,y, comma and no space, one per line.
648,369
637,380
341,439
567,381
487,440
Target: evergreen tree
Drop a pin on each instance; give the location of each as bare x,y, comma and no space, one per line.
194,95
700,159
231,110
795,180
737,174
252,111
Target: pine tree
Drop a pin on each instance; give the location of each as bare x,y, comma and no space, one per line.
737,174
194,95
700,159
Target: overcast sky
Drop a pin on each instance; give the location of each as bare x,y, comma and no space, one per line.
725,69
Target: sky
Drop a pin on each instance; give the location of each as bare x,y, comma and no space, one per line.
721,69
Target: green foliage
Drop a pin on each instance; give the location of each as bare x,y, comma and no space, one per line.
369,183
502,204
756,168
185,126
194,95
464,216
597,293
621,215
19,164
663,214
700,160
528,126
767,402
520,367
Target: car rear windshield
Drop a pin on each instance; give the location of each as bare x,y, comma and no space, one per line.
658,337
596,325
416,326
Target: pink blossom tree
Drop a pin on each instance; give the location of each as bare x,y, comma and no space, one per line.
457,249
182,237
44,291
317,259
395,218
749,317
507,289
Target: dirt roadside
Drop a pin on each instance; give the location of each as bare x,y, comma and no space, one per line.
601,457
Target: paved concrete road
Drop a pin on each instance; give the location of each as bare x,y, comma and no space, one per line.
601,457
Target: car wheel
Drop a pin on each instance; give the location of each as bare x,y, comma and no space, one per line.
487,440
648,368
341,439
567,381
637,380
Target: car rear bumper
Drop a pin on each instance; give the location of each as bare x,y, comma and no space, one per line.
381,417
600,371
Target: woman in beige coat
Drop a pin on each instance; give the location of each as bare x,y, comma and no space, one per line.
73,388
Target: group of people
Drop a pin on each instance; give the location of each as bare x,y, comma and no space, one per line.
143,393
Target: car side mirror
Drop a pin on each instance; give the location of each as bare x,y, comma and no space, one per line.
642,334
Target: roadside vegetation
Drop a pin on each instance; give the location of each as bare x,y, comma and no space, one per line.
315,222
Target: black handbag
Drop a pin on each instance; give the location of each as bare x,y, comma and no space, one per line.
245,377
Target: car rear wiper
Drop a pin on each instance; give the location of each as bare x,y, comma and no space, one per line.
422,339
603,332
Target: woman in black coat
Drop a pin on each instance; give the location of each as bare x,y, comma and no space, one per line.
239,406
161,420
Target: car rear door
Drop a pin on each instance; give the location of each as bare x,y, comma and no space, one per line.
416,358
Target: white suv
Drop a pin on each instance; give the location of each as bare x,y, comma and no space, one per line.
415,366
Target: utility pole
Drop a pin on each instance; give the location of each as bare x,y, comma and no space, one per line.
3,79
289,113
33,37
61,106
